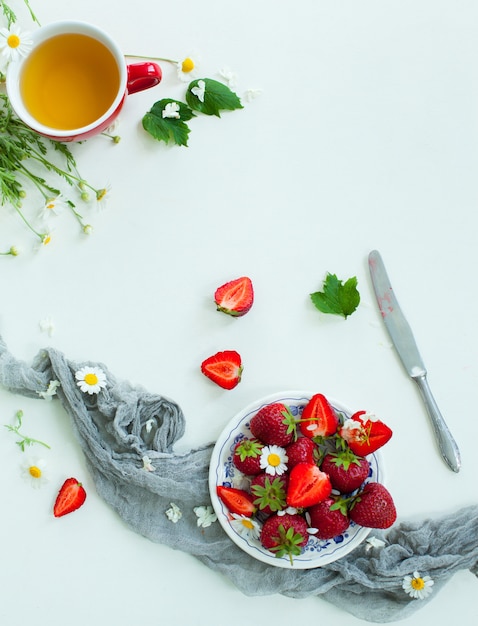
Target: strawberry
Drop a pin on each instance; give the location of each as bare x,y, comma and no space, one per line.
269,492
237,500
363,434
235,297
247,456
223,368
373,507
346,470
70,497
308,485
285,535
318,418
304,450
329,517
274,424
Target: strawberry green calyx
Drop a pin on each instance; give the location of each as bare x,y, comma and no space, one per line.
344,458
249,449
271,495
290,421
289,543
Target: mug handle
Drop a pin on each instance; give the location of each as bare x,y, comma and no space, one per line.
142,76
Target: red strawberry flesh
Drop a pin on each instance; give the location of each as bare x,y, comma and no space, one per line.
237,500
308,485
70,497
235,297
223,368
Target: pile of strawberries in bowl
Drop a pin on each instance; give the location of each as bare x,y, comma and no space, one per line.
295,482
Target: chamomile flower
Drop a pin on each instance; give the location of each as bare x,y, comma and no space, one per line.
205,515
14,43
374,542
33,471
187,69
274,460
90,379
245,526
147,465
103,195
47,326
199,90
418,586
53,206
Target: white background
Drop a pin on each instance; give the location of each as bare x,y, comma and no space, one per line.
364,136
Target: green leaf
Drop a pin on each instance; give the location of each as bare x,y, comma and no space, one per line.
217,97
337,298
168,129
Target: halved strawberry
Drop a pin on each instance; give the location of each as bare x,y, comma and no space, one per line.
318,418
237,500
235,297
308,485
363,434
70,497
224,368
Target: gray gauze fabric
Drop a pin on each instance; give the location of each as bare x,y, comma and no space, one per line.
111,428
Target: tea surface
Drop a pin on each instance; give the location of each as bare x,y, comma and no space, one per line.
69,81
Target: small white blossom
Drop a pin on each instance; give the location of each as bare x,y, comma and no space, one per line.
374,542
51,390
53,206
251,94
200,90
174,513
149,425
273,460
245,526
90,379
147,465
47,326
229,76
33,471
290,510
14,43
205,515
171,110
417,586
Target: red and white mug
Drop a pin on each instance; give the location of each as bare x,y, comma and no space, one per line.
74,81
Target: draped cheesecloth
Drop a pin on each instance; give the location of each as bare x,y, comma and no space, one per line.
119,426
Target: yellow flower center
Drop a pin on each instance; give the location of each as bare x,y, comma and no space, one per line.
50,205
13,41
100,194
187,65
46,240
34,471
91,379
247,523
274,460
418,583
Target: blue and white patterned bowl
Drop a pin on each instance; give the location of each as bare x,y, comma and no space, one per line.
222,471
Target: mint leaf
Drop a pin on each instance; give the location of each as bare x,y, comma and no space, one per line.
209,96
168,129
337,298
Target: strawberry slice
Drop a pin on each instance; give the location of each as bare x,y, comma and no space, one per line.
363,434
237,500
235,297
318,418
308,485
224,368
70,497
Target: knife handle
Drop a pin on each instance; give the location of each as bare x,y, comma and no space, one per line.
448,448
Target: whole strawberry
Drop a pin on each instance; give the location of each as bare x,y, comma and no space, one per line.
329,518
285,535
373,507
274,424
304,450
247,456
269,492
346,471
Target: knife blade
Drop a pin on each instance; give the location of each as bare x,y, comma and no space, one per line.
404,342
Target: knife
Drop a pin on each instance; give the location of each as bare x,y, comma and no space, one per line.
402,338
